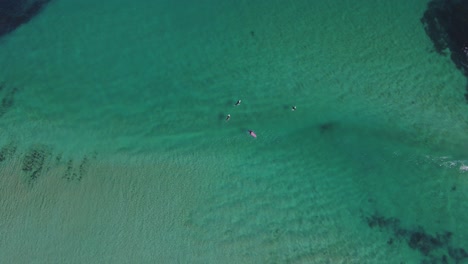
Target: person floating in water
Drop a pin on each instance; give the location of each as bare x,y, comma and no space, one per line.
228,117
252,133
238,102
293,108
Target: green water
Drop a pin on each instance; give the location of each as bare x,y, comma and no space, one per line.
124,103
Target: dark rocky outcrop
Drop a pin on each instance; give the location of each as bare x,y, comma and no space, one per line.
14,13
446,24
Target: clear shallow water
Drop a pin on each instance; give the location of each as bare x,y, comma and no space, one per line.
120,109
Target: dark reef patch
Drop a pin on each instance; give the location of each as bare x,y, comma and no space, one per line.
446,24
7,99
34,160
83,167
39,160
458,254
434,248
7,151
14,13
69,171
73,173
58,158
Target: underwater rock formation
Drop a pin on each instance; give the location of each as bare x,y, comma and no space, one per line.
7,151
39,160
14,13
34,160
446,24
7,100
434,248
76,174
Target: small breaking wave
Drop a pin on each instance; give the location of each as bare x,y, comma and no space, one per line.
447,162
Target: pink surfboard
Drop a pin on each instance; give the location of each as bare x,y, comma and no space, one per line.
252,133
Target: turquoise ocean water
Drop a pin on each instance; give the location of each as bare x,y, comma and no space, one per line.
115,148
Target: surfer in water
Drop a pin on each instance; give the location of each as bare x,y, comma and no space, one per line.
252,133
293,108
228,117
238,102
